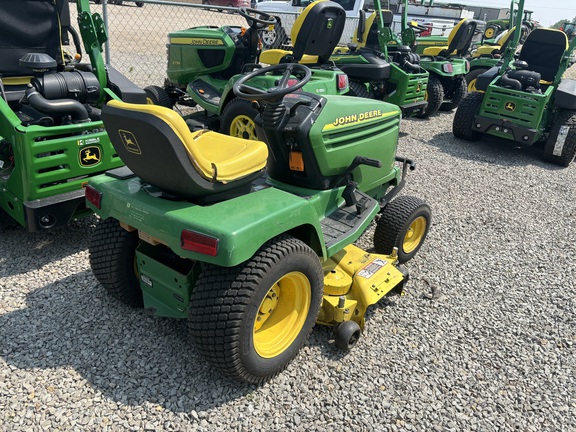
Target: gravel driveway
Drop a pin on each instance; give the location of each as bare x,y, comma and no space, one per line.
495,351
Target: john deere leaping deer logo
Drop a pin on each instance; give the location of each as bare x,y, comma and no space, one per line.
510,106
90,155
418,88
129,141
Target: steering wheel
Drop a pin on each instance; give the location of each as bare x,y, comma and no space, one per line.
418,28
281,89
263,20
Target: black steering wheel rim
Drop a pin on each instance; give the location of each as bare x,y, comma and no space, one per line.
259,23
274,93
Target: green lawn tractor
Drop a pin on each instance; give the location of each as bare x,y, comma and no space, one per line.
205,62
494,28
446,65
526,100
51,137
487,56
194,226
380,67
569,28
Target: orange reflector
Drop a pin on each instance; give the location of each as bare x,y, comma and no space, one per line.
201,243
201,91
296,161
93,196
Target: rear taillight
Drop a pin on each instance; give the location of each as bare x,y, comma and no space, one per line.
93,196
201,243
342,81
448,68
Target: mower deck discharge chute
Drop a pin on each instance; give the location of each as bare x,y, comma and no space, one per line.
252,240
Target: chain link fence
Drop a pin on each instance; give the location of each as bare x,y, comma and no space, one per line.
138,31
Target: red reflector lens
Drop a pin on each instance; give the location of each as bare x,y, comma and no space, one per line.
342,81
196,242
447,67
93,196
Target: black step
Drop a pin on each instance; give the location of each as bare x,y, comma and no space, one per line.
338,224
206,91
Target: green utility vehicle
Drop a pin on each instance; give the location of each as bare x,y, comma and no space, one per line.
526,100
381,67
205,62
445,64
51,137
194,227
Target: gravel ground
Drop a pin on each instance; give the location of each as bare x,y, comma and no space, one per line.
495,351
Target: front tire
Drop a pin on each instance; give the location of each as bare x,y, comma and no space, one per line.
112,255
404,224
565,124
238,119
434,97
456,94
463,124
250,321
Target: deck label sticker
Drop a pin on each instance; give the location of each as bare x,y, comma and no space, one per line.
372,268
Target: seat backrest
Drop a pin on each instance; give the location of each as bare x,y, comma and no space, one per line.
460,37
370,35
504,38
543,51
31,26
318,29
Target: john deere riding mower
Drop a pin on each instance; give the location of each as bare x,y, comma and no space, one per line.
380,67
487,56
252,241
496,27
205,62
446,65
51,137
526,100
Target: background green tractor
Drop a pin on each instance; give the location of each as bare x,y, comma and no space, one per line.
51,137
380,67
205,62
446,65
494,28
526,100
195,228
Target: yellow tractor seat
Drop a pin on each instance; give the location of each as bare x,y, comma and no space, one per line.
157,146
500,45
315,34
459,41
369,37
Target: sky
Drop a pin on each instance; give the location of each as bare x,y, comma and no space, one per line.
547,12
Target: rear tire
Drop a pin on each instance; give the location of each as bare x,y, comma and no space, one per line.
272,39
565,123
156,95
463,123
358,89
238,119
434,97
456,94
140,4
112,255
250,321
471,78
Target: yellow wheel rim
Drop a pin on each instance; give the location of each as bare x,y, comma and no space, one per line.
489,33
414,235
149,101
242,126
472,86
426,94
282,314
